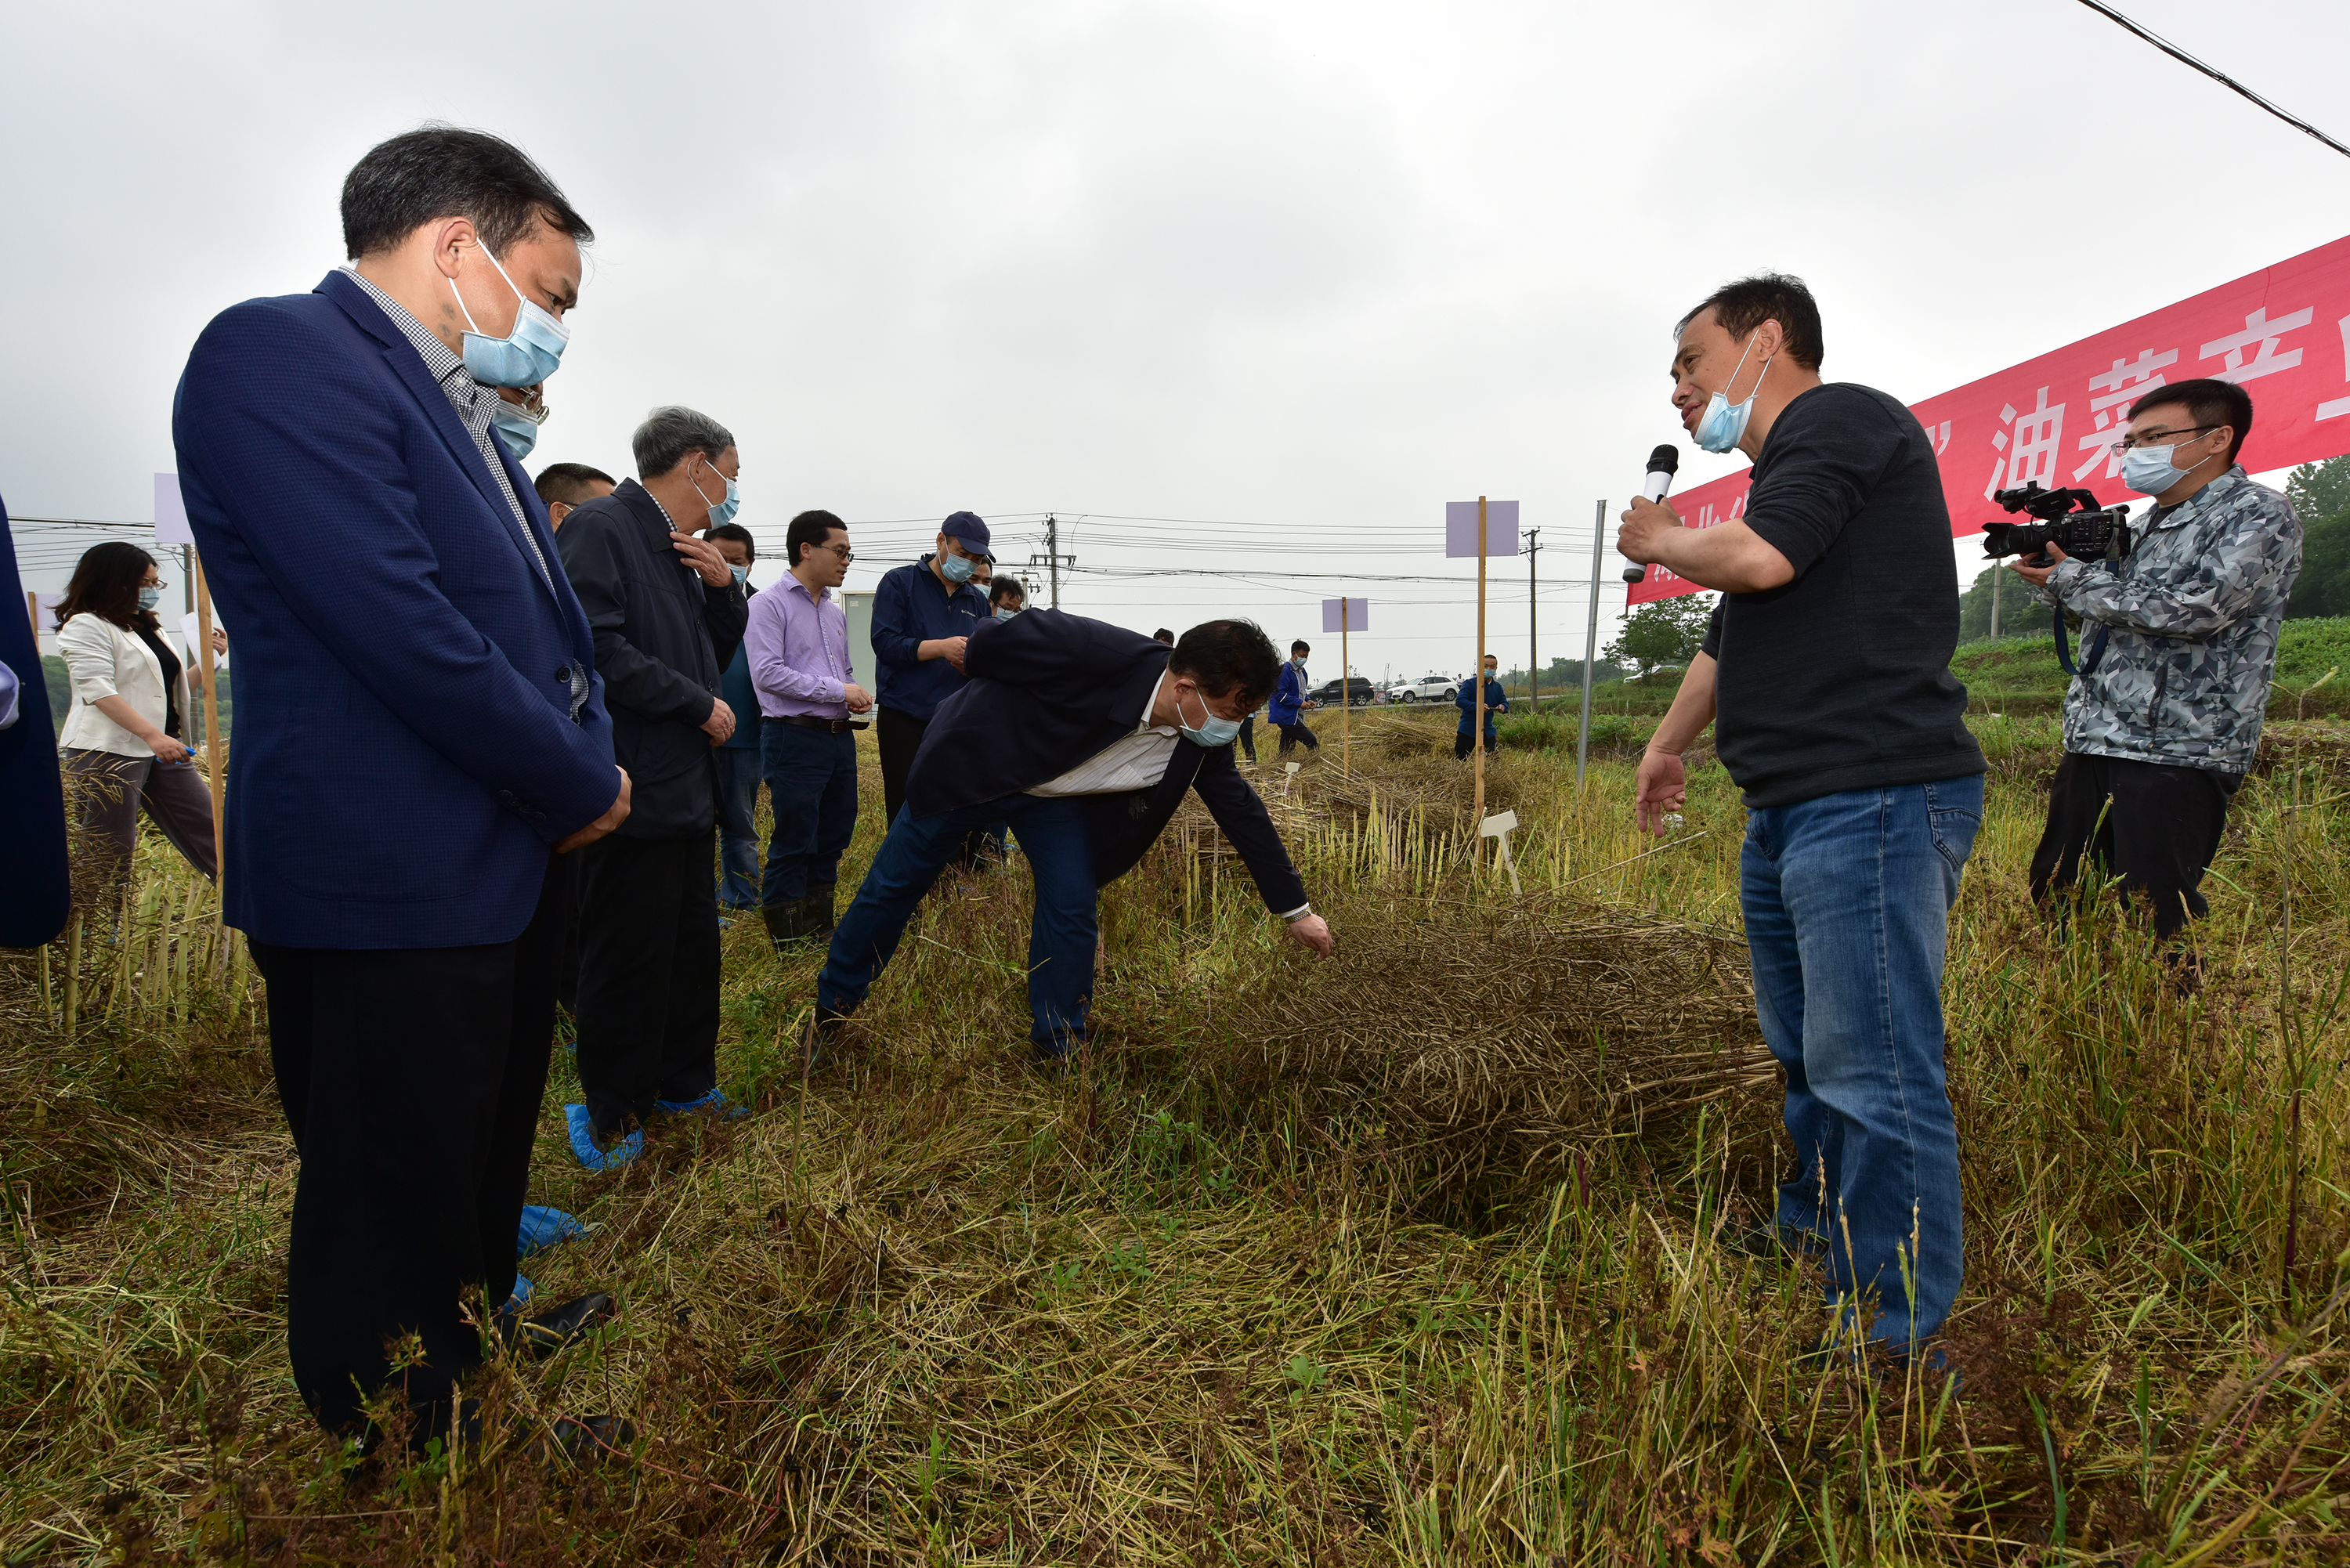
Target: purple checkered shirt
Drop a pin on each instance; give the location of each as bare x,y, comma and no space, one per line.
798,651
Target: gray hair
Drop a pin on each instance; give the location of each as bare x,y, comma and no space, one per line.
669,433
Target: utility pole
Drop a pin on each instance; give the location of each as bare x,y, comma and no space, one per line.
1590,642
1052,557
1533,654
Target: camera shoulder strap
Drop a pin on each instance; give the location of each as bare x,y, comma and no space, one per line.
2093,645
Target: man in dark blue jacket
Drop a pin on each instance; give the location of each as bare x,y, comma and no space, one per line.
923,615
1496,701
667,614
1287,709
421,737
1085,737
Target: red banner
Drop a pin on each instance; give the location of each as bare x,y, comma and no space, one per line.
2283,333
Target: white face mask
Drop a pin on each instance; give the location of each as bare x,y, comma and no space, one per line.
1724,424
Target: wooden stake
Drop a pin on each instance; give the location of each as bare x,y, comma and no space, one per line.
1477,672
1345,696
215,732
32,609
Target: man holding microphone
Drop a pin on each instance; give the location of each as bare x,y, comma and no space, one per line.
1827,674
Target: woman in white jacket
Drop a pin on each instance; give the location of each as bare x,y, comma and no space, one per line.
122,745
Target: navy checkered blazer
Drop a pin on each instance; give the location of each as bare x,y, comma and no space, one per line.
402,751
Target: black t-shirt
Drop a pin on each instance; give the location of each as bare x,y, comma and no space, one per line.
171,663
1841,678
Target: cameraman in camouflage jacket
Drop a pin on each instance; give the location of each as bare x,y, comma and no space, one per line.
2179,642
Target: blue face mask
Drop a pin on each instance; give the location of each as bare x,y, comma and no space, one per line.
741,574
1212,731
150,597
2149,470
957,569
523,356
519,429
720,511
1006,612
1724,424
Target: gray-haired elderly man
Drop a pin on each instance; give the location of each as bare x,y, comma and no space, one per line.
667,615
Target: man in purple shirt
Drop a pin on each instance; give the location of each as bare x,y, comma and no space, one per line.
797,643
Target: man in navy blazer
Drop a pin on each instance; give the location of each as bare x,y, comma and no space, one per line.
420,736
1085,737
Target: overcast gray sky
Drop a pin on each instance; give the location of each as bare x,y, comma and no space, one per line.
1296,275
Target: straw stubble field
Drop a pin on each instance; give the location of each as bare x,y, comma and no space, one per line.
1410,1257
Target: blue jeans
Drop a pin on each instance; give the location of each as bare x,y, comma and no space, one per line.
812,790
1053,835
738,840
1848,901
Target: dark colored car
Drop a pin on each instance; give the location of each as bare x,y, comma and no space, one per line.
1360,692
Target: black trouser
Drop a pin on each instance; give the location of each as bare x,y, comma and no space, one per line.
1248,736
648,975
1297,734
899,737
2156,827
410,1077
1461,745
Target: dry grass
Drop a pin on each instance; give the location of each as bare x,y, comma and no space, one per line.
1406,1258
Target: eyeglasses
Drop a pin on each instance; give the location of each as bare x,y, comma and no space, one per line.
2159,437
843,551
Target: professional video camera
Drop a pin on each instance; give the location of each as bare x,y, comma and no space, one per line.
2072,522
2069,519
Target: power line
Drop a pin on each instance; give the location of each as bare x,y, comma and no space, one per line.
2225,80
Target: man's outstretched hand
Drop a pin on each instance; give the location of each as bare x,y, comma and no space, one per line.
1314,931
603,825
1663,789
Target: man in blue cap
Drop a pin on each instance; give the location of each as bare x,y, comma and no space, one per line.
923,615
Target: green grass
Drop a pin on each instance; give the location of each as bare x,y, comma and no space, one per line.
2022,674
936,1310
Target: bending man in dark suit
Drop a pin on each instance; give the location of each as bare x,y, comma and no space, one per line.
1085,736
668,614
420,735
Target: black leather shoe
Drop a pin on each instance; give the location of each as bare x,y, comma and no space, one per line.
818,1035
553,1329
1772,1243
786,923
585,1440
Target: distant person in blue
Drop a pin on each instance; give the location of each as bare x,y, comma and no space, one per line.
1496,701
923,614
422,739
738,754
1285,711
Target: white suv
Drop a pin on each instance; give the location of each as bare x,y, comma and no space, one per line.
1427,689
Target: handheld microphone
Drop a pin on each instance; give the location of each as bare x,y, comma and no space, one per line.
1663,463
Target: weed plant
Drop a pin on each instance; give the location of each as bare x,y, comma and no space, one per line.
928,1307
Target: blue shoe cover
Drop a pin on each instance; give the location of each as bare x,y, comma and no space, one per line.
523,1290
583,1142
714,1101
543,1228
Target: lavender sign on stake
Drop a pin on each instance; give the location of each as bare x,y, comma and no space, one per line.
1356,614
1343,616
171,513
1460,528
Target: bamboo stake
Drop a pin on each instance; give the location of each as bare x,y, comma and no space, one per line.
215,732
1345,696
1476,674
